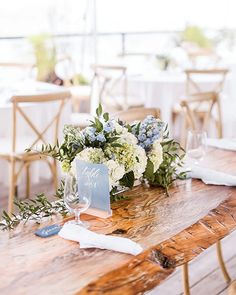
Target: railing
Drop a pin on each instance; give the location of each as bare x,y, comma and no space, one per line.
81,46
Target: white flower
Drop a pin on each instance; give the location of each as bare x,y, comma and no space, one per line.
128,137
116,172
92,155
141,162
118,127
156,155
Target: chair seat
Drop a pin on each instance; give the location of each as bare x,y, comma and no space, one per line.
81,120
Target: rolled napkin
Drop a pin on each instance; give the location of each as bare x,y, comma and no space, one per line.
209,176
223,143
89,239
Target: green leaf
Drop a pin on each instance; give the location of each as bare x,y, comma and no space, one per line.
112,139
149,172
116,144
98,125
99,110
106,117
117,198
138,127
128,179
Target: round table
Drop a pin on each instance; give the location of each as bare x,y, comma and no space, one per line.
164,90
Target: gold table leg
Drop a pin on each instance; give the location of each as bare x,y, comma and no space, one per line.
221,262
186,279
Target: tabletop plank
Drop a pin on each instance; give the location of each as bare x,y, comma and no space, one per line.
172,230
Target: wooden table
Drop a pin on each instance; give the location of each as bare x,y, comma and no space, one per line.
172,230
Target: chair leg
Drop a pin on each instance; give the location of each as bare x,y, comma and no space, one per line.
27,167
12,186
54,170
221,262
186,279
183,131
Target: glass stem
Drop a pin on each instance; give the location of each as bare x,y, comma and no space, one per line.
77,217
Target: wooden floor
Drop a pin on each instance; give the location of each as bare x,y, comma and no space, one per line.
205,275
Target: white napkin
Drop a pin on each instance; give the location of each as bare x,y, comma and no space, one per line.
209,176
89,239
223,143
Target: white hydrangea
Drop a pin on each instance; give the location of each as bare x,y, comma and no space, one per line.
118,127
156,155
92,155
128,137
116,172
141,162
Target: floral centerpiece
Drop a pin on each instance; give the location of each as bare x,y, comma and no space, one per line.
140,152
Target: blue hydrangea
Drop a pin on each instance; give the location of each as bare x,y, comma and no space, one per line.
100,137
141,137
91,137
149,131
109,127
89,133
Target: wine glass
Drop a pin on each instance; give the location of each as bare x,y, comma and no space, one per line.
77,199
196,145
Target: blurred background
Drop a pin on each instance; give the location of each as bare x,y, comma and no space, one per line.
144,35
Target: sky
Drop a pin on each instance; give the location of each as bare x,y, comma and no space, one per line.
27,17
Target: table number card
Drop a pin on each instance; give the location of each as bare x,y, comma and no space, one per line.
100,201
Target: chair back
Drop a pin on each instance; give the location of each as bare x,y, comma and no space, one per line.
52,124
198,112
203,56
137,114
217,79
108,83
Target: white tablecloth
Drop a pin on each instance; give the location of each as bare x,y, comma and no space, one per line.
165,89
40,114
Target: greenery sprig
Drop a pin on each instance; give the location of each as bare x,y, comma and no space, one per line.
35,209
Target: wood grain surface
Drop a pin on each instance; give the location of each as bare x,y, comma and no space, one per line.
172,230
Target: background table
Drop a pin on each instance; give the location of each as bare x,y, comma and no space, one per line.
164,90
172,230
40,114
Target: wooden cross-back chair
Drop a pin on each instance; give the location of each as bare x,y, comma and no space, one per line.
193,86
112,85
106,78
198,113
138,114
18,155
